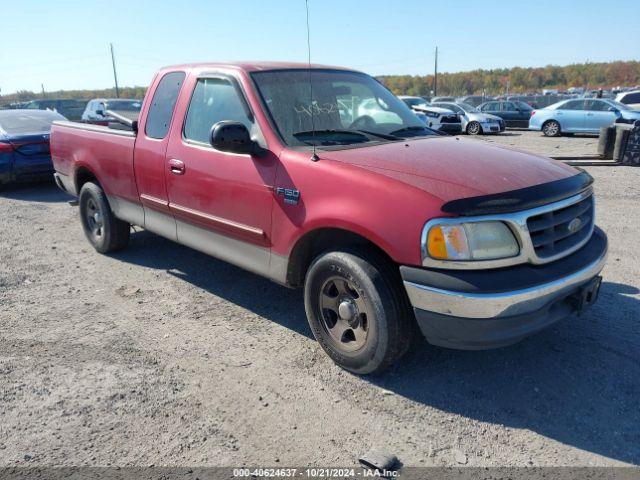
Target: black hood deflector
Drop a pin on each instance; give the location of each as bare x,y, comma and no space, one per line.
521,199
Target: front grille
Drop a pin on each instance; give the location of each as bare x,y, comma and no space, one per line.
558,231
450,119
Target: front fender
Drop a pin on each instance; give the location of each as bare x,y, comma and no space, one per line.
387,212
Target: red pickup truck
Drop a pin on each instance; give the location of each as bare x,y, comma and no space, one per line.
318,177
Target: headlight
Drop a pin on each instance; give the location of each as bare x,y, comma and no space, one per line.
431,114
471,241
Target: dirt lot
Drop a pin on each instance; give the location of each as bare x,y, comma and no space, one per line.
161,355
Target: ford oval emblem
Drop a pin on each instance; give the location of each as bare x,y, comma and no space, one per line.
574,225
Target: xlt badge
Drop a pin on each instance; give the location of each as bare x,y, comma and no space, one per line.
291,196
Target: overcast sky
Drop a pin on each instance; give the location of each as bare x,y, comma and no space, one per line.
65,44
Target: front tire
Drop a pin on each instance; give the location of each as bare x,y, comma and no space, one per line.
551,128
358,311
105,232
474,128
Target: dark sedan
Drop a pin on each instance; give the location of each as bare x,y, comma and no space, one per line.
515,114
24,145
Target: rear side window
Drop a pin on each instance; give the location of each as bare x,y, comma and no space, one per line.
573,105
162,105
631,98
213,100
597,106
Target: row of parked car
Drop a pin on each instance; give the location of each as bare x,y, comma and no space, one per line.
88,111
24,132
574,115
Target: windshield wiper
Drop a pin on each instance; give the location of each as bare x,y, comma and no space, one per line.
384,136
305,133
413,128
359,133
310,134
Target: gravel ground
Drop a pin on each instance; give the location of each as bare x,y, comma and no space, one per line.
161,355
574,146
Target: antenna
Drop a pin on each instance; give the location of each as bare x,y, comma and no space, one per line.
314,157
435,76
115,77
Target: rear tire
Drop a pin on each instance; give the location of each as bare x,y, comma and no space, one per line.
358,311
105,232
551,128
474,128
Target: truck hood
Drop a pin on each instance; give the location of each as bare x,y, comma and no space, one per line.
450,168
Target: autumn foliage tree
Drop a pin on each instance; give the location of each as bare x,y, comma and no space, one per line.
519,79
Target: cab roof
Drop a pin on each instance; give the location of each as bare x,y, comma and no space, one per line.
252,66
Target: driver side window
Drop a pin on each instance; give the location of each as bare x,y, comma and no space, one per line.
213,100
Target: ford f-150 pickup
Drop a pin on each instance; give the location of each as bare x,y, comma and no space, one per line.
390,228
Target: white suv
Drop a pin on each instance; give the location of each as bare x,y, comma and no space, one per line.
630,99
437,118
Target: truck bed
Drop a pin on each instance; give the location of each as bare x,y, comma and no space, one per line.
106,152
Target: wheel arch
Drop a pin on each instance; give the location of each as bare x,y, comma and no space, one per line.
320,240
82,175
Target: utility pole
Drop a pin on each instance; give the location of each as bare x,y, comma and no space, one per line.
42,85
115,76
435,77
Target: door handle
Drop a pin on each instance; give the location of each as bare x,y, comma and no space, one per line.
176,166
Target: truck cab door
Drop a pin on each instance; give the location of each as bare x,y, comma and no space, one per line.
221,201
150,154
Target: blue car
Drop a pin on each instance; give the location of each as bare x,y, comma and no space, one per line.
24,145
581,115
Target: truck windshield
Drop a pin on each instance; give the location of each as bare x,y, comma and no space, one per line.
343,102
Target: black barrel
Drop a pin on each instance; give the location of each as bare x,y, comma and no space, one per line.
622,137
606,141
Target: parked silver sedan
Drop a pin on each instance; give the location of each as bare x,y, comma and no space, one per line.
474,122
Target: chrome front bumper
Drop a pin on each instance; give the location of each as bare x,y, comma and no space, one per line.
490,305
495,308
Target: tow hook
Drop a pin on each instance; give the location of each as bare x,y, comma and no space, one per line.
586,295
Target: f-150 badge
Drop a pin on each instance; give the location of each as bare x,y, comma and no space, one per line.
291,196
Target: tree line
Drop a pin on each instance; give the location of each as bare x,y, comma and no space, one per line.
26,95
518,79
490,82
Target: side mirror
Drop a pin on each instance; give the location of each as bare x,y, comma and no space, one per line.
234,137
613,109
